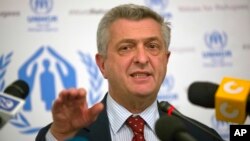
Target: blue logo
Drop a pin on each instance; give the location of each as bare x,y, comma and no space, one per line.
217,53
43,20
30,70
49,72
7,104
165,93
216,40
41,6
160,6
46,77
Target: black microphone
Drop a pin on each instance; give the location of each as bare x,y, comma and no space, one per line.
170,110
203,94
12,100
171,128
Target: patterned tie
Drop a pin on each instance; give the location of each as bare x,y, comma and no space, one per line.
136,123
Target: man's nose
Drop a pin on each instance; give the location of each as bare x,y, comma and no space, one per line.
141,55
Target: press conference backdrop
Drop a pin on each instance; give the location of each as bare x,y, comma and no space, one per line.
51,45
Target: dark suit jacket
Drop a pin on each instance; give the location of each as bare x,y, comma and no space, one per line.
100,131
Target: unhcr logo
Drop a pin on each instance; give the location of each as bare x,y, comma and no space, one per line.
217,53
41,6
216,40
47,72
42,20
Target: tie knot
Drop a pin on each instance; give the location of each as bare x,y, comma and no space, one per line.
136,123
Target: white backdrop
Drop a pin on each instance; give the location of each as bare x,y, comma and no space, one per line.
51,44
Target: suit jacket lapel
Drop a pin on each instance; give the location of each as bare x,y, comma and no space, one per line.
99,130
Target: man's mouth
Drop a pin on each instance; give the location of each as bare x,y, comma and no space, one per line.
140,75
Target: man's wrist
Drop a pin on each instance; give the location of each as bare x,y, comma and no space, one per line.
61,136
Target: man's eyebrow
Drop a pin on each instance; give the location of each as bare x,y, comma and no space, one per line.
134,40
127,41
152,39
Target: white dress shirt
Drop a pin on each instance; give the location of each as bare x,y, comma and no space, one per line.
118,115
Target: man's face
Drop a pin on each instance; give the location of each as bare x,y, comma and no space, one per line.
136,60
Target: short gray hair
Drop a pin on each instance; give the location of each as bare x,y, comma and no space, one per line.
131,12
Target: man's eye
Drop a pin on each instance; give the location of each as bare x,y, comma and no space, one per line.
125,49
153,48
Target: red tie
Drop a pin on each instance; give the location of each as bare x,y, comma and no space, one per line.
136,123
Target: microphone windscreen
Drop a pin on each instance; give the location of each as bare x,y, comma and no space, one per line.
202,94
19,89
167,127
164,106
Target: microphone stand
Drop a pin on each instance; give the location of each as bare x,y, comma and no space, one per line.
166,107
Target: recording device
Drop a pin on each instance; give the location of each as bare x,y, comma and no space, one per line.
171,111
12,100
230,99
171,128
203,94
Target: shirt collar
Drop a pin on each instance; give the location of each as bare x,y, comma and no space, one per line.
117,114
151,115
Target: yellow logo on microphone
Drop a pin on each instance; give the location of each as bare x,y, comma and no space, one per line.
231,100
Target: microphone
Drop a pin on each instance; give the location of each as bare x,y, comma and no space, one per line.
12,100
171,128
202,94
170,110
230,99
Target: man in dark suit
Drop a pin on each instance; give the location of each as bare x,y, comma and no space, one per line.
132,55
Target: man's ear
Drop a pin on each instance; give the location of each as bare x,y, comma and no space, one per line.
100,61
168,53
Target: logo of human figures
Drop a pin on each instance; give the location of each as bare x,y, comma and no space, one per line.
29,70
217,53
160,6
41,6
44,68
